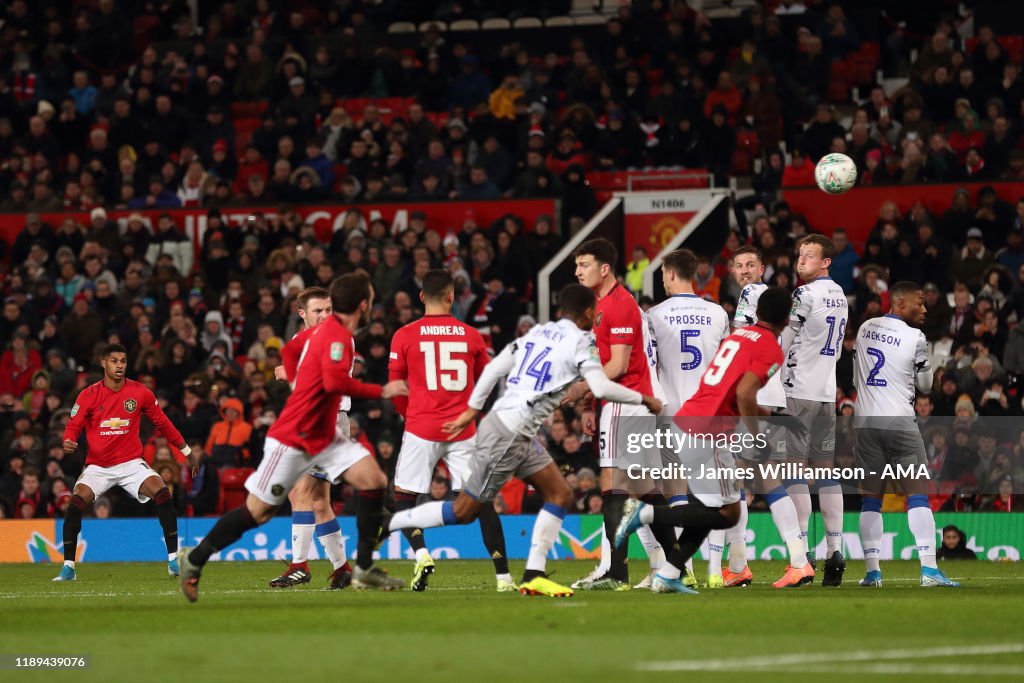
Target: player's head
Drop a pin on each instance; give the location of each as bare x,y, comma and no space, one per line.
677,271
815,256
595,262
438,289
352,294
114,361
908,302
314,305
773,308
747,266
577,303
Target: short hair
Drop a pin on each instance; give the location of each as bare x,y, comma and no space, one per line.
903,288
113,348
828,250
309,293
747,249
773,306
349,291
600,248
31,471
574,299
682,262
437,283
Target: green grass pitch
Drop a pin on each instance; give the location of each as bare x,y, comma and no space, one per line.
135,625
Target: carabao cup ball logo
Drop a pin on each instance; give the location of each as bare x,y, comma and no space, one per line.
835,173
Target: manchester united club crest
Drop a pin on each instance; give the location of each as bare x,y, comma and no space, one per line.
597,323
130,405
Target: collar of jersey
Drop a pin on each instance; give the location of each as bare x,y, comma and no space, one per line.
685,296
822,277
893,316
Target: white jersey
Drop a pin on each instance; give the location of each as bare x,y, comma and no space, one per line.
544,363
818,318
686,332
772,394
888,355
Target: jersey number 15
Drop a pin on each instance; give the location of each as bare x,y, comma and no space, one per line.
440,368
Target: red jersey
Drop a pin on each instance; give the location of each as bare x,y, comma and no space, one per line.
750,349
112,420
291,355
323,376
441,359
618,320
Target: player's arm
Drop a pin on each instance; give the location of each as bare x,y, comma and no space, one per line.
623,327
618,363
398,370
923,374
154,412
498,368
336,370
746,401
290,354
79,418
607,390
797,316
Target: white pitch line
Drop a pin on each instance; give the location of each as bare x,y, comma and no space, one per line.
918,669
774,662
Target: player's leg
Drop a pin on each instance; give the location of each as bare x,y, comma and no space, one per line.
328,532
303,525
153,487
821,453
82,496
557,499
370,483
416,462
281,467
793,448
457,456
678,494
738,572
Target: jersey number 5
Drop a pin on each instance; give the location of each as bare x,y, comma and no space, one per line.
721,362
440,368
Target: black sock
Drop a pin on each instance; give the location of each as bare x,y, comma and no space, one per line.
531,574
407,501
226,531
168,519
494,537
693,514
689,543
73,525
665,533
369,510
612,510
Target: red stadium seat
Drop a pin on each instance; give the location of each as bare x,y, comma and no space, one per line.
232,487
248,110
1014,46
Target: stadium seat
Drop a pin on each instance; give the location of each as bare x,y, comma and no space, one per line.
555,22
1014,46
591,20
248,110
433,24
232,487
402,27
496,24
464,25
528,22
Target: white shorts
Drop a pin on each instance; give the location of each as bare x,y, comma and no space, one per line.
772,394
282,466
128,475
419,457
719,486
342,430
611,415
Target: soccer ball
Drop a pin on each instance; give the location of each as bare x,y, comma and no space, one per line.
835,173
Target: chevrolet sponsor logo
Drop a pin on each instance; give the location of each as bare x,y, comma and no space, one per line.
114,423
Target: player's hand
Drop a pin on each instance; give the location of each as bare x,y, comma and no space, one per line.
394,388
70,446
652,404
589,422
455,427
575,393
279,373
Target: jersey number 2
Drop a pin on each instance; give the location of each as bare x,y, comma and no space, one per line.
721,362
440,368
872,379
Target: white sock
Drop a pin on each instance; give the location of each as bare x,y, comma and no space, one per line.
922,525
171,556
784,516
800,494
421,553
655,554
605,562
503,577
69,563
871,538
426,516
830,500
669,571
329,535
545,533
303,524
716,544
647,514
736,539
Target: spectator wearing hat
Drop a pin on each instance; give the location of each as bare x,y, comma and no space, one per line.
971,261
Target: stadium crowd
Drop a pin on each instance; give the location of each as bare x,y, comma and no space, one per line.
108,105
